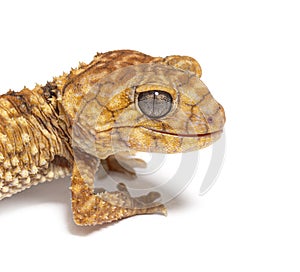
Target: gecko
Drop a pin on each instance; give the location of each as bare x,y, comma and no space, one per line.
120,103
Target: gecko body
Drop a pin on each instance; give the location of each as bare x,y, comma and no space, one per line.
122,102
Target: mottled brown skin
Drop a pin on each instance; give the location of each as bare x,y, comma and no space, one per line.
87,117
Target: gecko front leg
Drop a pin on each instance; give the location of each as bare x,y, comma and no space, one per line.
91,209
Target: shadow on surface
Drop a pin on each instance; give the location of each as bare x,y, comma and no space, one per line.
57,191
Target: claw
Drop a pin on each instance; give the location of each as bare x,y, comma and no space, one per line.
122,188
149,198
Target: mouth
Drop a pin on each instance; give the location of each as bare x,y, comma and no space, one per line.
182,135
196,135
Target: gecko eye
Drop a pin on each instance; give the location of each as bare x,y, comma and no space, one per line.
155,104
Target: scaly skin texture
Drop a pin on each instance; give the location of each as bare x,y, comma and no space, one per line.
90,116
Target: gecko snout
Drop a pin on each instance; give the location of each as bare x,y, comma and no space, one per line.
216,120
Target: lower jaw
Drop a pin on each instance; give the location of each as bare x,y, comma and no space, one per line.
172,143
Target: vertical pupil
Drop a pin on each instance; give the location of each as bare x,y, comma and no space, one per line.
155,104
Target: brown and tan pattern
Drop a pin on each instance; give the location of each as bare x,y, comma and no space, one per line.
86,117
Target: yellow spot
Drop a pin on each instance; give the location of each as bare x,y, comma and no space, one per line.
38,176
15,182
4,114
34,170
25,158
5,189
14,161
41,100
4,103
1,157
50,175
3,138
46,109
25,138
27,181
6,164
22,121
9,148
33,99
61,173
43,162
13,111
8,176
34,150
119,101
46,133
24,173
42,146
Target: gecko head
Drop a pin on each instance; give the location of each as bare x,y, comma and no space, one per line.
176,119
155,107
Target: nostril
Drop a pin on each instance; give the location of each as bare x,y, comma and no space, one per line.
210,120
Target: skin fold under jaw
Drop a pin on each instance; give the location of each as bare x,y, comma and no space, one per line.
122,102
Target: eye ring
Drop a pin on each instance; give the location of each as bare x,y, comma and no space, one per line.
155,103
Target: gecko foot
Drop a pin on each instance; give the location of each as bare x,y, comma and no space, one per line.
123,163
105,207
123,198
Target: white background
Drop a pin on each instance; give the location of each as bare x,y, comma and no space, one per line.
249,52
